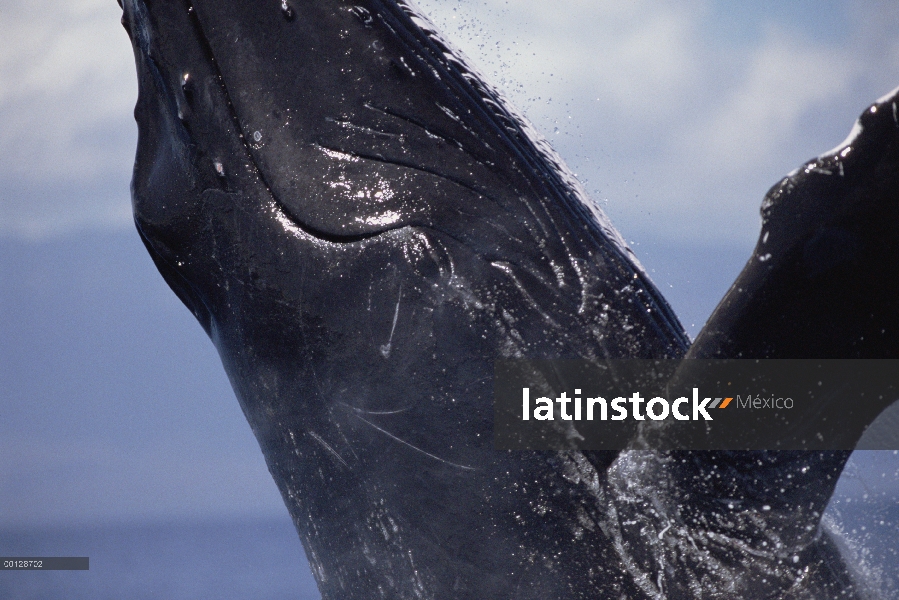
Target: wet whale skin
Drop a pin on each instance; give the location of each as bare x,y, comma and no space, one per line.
362,227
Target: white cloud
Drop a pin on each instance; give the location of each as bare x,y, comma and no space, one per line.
785,78
626,55
682,121
67,138
65,69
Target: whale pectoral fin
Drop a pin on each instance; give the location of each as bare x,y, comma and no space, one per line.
823,282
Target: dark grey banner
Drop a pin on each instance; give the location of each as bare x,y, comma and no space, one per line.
45,563
692,404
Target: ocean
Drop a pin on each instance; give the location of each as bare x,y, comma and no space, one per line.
223,559
264,560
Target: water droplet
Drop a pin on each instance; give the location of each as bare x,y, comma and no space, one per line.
363,15
219,169
287,11
257,136
185,81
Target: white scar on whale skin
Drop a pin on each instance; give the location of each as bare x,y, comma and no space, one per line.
327,447
385,349
417,449
375,412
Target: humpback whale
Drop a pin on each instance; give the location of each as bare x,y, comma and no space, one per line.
362,226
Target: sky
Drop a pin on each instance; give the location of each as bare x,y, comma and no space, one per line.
677,116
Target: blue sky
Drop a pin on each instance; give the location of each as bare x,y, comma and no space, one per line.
678,116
